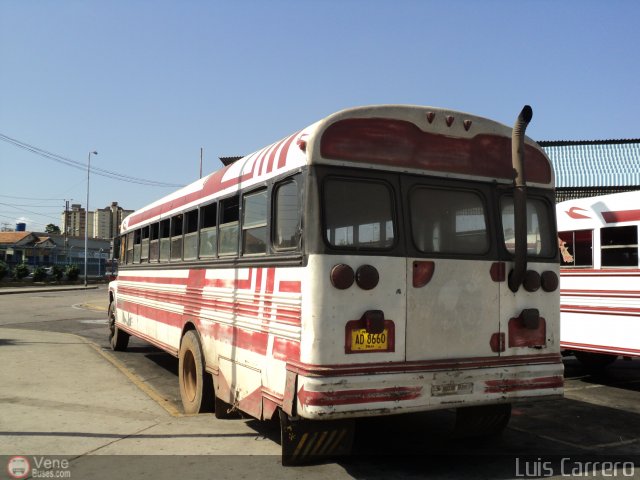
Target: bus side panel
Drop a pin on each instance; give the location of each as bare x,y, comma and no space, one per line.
327,310
250,326
601,311
455,314
541,337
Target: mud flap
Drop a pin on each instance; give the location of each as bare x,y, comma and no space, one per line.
482,421
309,441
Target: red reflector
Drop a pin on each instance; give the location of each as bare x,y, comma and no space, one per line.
498,272
497,342
528,330
422,273
342,276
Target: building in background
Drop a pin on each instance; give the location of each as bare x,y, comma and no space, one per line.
103,223
47,249
586,168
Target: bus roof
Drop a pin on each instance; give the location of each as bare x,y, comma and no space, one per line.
403,138
601,211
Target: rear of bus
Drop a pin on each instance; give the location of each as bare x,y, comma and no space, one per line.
407,304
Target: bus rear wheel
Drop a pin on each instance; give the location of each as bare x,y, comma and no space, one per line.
118,339
195,382
595,360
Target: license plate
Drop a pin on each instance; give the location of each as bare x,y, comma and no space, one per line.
361,340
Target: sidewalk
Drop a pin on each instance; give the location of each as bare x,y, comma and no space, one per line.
64,398
60,396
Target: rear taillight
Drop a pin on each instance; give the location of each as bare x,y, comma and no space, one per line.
549,281
367,277
342,276
531,281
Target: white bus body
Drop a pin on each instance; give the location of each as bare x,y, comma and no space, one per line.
358,267
600,278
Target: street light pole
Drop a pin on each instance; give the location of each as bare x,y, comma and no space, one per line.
86,219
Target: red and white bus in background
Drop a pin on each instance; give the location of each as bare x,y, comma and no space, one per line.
381,261
600,277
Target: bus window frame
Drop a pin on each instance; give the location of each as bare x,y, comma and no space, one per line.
362,177
545,197
235,254
462,188
265,225
296,179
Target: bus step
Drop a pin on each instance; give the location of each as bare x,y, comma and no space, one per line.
311,441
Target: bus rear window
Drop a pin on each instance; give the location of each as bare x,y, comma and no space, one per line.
448,221
540,241
358,214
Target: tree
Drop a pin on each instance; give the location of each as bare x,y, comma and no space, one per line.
51,228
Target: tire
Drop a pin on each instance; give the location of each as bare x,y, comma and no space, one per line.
595,360
118,338
196,385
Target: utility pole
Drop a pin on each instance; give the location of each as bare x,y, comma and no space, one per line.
201,154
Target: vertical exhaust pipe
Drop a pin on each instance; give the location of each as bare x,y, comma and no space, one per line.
519,198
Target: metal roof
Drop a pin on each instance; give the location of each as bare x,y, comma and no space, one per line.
594,163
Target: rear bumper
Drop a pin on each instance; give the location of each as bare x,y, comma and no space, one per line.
377,394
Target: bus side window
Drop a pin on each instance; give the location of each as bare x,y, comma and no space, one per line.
129,248
208,224
154,243
176,238
286,220
619,246
254,222
165,240
191,235
144,246
229,216
576,248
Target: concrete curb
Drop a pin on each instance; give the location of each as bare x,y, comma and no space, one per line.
13,290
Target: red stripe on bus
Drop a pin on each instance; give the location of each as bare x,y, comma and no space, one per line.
616,216
284,349
602,293
617,311
155,314
609,272
282,159
520,384
240,338
289,286
272,156
595,348
455,364
400,143
350,397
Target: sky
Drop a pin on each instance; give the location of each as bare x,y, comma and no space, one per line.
148,83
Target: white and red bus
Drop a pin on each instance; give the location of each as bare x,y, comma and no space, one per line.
600,277
381,261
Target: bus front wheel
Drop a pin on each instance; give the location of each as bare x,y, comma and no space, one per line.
195,382
118,339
